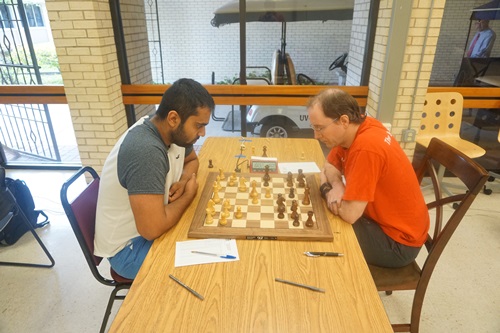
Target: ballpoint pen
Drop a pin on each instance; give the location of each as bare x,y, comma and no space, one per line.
323,254
185,286
223,256
300,285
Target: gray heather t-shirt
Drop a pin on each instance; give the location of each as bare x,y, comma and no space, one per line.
143,161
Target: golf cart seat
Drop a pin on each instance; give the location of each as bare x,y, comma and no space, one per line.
283,70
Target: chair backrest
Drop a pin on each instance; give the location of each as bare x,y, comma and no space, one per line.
290,71
471,174
442,114
81,213
277,68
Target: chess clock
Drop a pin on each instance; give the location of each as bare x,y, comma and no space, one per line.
258,164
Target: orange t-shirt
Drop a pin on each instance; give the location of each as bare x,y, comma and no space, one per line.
378,171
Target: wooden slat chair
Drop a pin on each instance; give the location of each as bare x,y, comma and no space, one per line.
412,276
81,213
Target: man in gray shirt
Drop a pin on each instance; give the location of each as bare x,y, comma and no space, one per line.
149,177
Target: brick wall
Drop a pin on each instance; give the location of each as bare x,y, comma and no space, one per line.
136,41
419,54
358,41
83,36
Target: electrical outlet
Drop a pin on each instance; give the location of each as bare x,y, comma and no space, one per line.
409,135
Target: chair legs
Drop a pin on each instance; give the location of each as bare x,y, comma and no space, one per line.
112,298
493,176
22,264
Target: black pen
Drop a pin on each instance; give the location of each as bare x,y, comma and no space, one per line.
323,254
185,286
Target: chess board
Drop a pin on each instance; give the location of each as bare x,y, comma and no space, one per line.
260,221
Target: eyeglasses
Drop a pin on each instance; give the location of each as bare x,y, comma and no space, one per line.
319,129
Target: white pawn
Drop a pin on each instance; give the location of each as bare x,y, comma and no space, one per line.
243,185
221,174
254,194
227,204
216,197
217,181
225,212
238,213
232,179
223,220
209,219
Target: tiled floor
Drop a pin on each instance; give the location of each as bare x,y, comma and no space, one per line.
463,295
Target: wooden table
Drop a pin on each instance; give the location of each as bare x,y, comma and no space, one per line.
242,296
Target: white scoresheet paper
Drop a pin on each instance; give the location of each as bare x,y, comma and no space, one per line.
184,256
293,167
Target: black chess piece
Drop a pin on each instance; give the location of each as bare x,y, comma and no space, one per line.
266,177
307,198
281,211
281,200
296,222
301,178
291,195
264,151
289,179
309,222
210,165
294,208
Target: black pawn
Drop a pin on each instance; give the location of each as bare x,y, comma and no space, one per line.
281,211
210,165
289,179
309,222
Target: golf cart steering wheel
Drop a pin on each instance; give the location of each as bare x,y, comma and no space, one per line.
339,63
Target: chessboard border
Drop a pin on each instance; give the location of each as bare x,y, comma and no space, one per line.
323,232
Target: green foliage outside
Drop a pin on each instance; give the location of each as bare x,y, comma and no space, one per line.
47,63
49,66
265,75
252,75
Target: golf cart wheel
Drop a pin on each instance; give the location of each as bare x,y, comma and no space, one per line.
275,131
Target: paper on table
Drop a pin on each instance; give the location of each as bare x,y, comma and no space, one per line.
184,257
293,167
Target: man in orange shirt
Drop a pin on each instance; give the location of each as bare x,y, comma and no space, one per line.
369,181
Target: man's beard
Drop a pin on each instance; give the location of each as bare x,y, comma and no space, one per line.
180,139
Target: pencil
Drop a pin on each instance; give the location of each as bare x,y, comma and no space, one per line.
300,285
185,286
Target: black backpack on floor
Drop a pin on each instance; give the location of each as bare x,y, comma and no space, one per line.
13,226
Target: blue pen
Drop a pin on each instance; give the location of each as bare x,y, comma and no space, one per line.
225,256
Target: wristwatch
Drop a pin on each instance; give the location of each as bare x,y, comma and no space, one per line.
325,188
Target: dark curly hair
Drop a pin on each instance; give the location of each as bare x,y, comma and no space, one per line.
185,96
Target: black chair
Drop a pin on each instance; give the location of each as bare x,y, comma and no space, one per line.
81,214
412,277
8,203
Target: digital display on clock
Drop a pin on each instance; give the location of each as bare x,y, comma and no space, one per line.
258,164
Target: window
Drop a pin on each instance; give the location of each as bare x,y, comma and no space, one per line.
34,15
5,17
